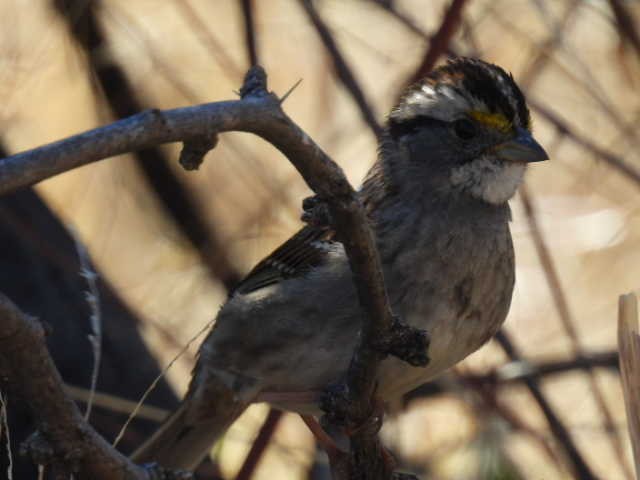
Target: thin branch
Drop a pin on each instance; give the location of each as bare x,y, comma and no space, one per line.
344,73
117,404
250,38
579,466
523,370
403,18
258,112
93,299
205,35
579,74
491,401
259,445
4,427
155,382
536,66
626,28
439,43
568,322
31,374
616,162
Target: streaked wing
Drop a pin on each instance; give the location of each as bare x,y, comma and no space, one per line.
305,250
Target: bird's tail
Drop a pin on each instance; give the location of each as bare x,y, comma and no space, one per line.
181,442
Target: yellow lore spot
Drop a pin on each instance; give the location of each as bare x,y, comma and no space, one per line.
492,120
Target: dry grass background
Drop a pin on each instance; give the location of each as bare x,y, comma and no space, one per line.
568,54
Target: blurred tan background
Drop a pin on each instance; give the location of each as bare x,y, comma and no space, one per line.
573,59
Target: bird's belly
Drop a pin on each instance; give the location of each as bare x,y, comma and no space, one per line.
451,340
458,324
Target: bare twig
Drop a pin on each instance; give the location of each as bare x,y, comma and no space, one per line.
568,323
408,22
611,159
491,401
536,66
626,27
31,374
177,200
629,344
439,43
523,370
116,404
93,300
4,427
258,112
259,444
206,36
579,74
342,70
150,388
579,466
248,11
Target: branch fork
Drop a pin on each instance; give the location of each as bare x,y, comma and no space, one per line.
258,111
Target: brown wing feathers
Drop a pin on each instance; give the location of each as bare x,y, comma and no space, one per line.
303,251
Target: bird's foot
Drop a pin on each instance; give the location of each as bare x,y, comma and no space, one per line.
405,342
334,402
316,212
325,441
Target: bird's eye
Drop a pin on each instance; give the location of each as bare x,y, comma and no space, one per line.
464,128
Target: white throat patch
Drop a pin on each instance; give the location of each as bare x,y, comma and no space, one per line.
489,179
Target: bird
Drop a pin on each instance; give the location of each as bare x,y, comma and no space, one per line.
453,152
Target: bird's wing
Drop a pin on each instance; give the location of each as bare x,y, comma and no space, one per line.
305,250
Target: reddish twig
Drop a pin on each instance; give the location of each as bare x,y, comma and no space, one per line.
610,158
626,28
342,70
568,323
441,39
579,466
260,444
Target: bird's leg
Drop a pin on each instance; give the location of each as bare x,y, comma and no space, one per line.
338,459
316,212
371,425
324,439
333,402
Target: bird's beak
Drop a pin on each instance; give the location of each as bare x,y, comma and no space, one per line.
523,148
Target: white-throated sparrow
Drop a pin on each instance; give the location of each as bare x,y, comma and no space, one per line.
454,151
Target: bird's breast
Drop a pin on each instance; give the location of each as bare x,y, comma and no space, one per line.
457,286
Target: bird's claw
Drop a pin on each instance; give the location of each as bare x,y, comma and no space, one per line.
316,212
334,402
405,342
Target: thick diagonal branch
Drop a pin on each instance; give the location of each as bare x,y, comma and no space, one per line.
258,112
28,370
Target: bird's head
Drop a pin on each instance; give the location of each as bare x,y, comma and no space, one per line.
467,127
